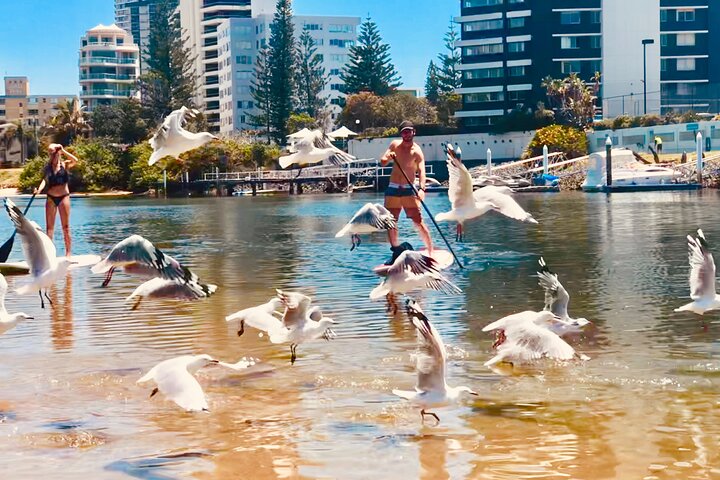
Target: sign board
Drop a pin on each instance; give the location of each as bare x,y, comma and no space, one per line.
692,127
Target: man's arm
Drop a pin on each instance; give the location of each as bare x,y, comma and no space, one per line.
421,169
389,154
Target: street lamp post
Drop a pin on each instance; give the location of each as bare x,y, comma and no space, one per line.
645,43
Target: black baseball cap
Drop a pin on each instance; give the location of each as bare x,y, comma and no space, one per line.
406,124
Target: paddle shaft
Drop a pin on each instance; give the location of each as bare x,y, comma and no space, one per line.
412,185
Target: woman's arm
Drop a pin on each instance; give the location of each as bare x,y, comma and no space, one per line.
41,187
71,159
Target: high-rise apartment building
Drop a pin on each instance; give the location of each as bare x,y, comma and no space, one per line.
17,103
135,17
109,66
239,41
656,46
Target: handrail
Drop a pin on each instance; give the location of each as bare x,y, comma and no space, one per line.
315,172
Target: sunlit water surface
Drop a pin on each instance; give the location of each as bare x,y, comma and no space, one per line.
646,404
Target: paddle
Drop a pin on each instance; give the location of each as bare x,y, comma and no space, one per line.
6,247
412,185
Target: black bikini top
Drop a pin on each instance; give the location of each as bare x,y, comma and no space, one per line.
57,178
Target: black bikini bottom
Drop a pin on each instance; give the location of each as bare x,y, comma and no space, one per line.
57,200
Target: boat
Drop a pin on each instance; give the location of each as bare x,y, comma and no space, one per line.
630,175
243,193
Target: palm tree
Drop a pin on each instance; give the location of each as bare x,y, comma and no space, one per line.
7,136
68,123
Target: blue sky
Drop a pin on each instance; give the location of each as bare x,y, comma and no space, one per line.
40,38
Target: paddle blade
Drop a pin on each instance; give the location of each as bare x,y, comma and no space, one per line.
6,248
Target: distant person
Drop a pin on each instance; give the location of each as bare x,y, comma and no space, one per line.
406,155
56,177
658,145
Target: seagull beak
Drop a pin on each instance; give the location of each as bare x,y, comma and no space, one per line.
214,362
473,392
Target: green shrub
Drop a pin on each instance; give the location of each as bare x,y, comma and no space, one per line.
32,174
650,120
606,124
621,121
142,175
98,167
558,138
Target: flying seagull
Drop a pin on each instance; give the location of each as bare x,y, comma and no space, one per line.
702,277
158,288
175,379
315,147
556,301
431,389
372,217
171,139
500,196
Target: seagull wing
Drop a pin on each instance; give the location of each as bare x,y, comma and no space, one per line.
136,249
260,317
3,292
460,185
531,342
296,308
510,320
337,156
556,297
39,252
431,354
162,288
702,268
181,387
369,214
504,202
438,282
416,262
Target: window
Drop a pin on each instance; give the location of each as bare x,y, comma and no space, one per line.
568,43
663,64
516,1
570,67
337,87
479,121
516,96
518,71
334,71
663,16
663,40
569,18
484,97
685,64
481,73
335,42
244,104
345,28
243,59
488,49
595,42
686,15
482,3
244,45
516,47
243,75
595,16
594,66
685,39
312,26
685,89
516,22
337,57
483,25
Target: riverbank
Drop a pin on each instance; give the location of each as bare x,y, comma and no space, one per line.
13,192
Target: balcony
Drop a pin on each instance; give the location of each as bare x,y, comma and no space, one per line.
105,92
107,61
107,76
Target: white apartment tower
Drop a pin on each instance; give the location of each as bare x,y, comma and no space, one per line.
109,66
135,17
239,41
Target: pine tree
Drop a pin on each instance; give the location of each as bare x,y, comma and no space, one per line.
281,58
370,67
432,85
170,81
448,74
261,91
311,79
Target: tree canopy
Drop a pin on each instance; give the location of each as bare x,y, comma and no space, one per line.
369,66
281,59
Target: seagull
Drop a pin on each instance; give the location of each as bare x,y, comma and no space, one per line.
241,364
162,288
485,180
315,147
460,192
702,277
556,301
45,266
174,378
7,320
410,271
372,217
522,338
431,389
500,196
171,139
300,322
138,255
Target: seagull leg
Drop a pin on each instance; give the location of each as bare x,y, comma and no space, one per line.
137,303
42,302
108,276
293,356
242,328
352,242
499,338
154,391
48,298
423,413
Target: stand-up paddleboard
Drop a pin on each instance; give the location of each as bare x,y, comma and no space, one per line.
443,258
22,268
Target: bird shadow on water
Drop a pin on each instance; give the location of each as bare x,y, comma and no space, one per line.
156,467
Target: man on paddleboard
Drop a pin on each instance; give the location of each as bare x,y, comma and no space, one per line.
406,155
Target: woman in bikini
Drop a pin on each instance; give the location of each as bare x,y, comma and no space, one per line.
58,193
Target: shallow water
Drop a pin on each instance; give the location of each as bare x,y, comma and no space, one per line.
646,405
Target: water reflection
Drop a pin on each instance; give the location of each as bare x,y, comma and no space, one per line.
61,314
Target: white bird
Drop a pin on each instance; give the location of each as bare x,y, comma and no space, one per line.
411,271
556,301
485,180
8,320
174,378
500,196
171,139
45,266
372,217
315,147
431,389
300,323
522,338
702,277
460,191
138,255
162,288
241,364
